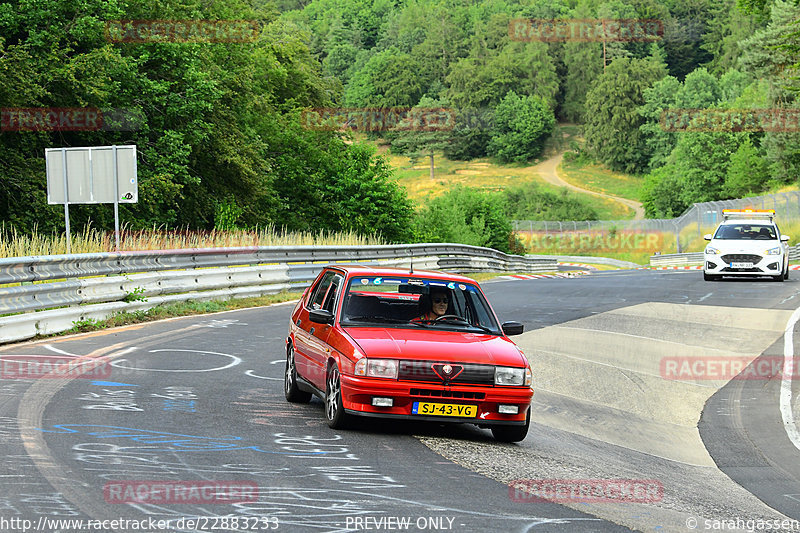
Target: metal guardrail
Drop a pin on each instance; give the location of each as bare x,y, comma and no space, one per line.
696,258
95,286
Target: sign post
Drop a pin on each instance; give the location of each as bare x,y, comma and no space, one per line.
92,175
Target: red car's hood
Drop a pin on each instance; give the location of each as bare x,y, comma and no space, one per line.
431,345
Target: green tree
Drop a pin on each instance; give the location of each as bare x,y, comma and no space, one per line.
770,55
695,172
388,79
661,194
522,124
417,141
467,216
584,63
496,66
219,121
612,118
748,172
658,99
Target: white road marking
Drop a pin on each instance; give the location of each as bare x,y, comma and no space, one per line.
235,361
253,375
56,350
786,381
788,298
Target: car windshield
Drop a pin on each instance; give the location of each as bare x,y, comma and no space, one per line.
746,232
406,302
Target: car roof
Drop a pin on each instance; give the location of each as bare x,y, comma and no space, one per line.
367,270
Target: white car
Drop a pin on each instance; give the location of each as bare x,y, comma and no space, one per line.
746,243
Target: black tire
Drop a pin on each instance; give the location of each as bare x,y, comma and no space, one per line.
710,277
512,433
786,274
334,411
780,277
290,389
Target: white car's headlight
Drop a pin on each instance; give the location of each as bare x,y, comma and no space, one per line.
710,250
512,376
376,368
774,251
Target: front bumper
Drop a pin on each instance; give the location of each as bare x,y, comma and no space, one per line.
357,394
768,265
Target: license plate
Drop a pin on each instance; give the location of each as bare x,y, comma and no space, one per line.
741,265
444,409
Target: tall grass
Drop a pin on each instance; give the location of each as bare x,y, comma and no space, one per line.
89,240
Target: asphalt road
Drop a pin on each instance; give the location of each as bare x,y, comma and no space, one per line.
200,400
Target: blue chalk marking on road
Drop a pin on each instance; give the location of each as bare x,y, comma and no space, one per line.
174,442
112,384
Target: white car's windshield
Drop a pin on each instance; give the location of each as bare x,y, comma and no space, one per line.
762,232
417,303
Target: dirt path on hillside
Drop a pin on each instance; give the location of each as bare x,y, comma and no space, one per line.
548,170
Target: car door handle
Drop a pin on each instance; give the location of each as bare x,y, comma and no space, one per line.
298,322
311,331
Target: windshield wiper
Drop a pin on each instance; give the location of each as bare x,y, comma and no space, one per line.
385,319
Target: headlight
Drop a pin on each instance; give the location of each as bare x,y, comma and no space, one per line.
376,368
710,250
512,376
774,251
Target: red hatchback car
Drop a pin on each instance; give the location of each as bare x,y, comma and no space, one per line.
420,345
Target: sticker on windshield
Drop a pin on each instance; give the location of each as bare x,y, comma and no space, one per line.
377,281
364,281
462,286
451,285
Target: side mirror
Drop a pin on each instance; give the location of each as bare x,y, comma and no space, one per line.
320,316
784,238
513,328
707,236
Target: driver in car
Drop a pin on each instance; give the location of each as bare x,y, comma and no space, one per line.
433,305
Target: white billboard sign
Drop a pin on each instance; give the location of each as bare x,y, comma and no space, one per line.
94,175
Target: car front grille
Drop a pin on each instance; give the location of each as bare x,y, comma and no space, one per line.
470,374
729,269
741,258
467,395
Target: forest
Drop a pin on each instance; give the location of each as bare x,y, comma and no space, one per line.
222,143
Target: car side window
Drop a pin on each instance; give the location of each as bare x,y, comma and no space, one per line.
320,291
329,302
